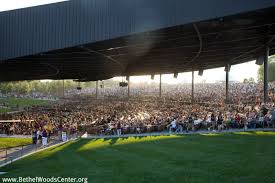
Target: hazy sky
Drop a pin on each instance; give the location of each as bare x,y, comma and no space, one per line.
15,4
238,72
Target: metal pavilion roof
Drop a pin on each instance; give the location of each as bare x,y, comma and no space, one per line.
100,39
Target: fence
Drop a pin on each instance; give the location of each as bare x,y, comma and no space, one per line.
10,153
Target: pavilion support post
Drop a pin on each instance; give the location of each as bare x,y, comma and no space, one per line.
160,94
63,88
226,85
96,90
192,94
128,87
266,54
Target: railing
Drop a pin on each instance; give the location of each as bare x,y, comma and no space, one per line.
10,153
100,130
226,125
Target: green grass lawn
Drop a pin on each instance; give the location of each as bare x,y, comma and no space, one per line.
240,157
21,102
12,142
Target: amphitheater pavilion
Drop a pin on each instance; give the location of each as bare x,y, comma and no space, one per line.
91,40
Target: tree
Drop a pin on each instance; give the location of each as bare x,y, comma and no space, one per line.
271,69
9,87
24,87
251,80
54,87
245,80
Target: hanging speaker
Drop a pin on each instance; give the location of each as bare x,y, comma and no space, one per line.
123,84
175,75
227,68
127,78
260,60
152,77
200,72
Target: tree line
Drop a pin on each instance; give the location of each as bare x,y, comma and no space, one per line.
46,87
271,69
53,87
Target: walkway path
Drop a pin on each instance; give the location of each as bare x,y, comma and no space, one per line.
183,133
12,154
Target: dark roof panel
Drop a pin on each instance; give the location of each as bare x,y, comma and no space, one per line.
66,24
100,39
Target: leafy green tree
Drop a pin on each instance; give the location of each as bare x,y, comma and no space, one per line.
251,80
90,84
54,87
23,87
9,87
271,69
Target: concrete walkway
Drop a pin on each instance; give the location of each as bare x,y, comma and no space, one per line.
21,151
15,136
183,133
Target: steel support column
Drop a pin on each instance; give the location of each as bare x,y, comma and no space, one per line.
129,87
63,88
96,90
160,86
192,94
226,85
266,54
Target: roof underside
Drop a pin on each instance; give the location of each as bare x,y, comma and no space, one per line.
198,45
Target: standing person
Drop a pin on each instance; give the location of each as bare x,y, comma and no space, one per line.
60,128
34,137
39,136
220,122
44,138
213,121
237,120
173,126
264,112
273,117
118,128
190,123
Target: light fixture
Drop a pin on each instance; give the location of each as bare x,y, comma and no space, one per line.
200,72
176,75
260,60
227,68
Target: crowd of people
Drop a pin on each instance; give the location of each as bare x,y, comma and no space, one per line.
144,114
245,93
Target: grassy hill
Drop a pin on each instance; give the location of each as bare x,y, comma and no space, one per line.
20,102
12,142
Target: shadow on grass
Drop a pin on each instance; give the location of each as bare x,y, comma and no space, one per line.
87,147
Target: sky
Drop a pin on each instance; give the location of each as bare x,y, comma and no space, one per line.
237,73
16,4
